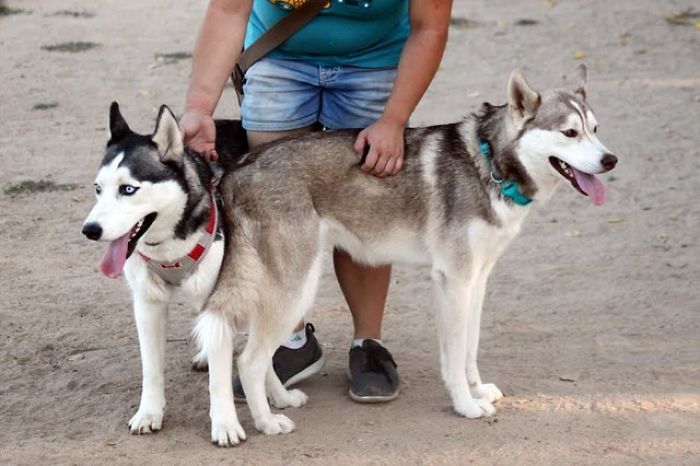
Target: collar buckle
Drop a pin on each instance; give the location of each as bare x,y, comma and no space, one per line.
507,188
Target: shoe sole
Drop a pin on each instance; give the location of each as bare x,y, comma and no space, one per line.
373,398
310,371
313,369
369,399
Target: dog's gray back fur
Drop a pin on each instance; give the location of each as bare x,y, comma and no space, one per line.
318,176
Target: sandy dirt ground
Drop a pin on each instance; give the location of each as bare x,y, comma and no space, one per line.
591,323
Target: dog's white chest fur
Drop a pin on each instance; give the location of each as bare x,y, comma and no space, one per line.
196,288
488,240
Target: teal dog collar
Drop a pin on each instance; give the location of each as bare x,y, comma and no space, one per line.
508,188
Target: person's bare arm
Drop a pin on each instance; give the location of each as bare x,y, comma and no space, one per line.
421,56
218,46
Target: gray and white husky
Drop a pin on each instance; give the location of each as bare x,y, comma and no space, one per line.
460,198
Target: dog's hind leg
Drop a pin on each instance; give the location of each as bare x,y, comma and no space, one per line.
151,323
488,391
285,306
264,336
215,337
279,396
455,292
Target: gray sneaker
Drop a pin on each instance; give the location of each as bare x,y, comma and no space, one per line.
292,365
372,373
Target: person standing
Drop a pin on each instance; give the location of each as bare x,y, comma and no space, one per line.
358,64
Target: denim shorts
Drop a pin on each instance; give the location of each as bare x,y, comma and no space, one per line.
281,95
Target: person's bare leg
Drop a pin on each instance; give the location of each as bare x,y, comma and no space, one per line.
256,138
365,289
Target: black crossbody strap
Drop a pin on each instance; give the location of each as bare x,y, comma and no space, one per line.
272,39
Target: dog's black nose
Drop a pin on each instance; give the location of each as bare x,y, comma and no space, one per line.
92,230
608,162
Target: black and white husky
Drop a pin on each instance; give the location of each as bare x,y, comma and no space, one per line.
460,198
157,210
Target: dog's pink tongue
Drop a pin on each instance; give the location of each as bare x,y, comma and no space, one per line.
115,257
591,186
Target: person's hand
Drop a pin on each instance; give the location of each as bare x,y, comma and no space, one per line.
386,146
199,134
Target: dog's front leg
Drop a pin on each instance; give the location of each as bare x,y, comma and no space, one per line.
151,323
215,339
489,391
455,296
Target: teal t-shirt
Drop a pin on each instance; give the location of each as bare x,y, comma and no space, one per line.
361,33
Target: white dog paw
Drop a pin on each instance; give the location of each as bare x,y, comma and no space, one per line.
146,422
486,407
227,432
290,399
488,392
275,424
474,408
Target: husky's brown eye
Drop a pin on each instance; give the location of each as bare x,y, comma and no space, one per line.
570,133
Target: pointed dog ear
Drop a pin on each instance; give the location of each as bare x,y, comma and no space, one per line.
523,100
117,125
167,136
581,80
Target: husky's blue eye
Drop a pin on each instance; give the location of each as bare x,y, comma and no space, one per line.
127,189
570,133
98,189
